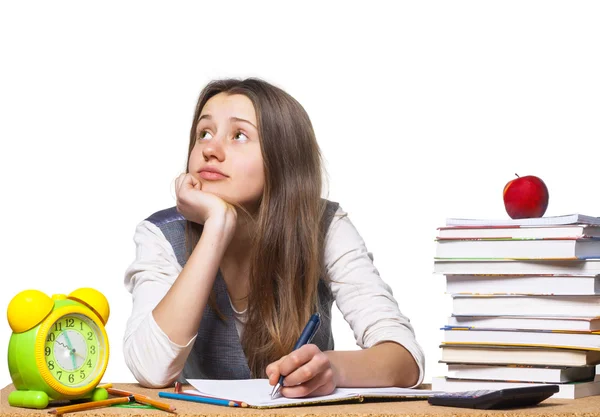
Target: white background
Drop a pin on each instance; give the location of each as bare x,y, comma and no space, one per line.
423,110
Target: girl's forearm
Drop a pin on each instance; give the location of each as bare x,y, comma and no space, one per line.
180,311
385,365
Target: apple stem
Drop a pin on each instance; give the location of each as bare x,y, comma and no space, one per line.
517,175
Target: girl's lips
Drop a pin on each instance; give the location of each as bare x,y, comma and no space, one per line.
209,175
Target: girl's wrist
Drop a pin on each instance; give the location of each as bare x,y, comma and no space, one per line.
222,224
338,375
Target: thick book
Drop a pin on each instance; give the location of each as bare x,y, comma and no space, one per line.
526,305
518,232
529,373
570,390
573,324
525,355
256,393
564,248
536,221
581,340
513,266
523,284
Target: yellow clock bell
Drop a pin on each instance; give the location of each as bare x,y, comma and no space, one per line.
58,348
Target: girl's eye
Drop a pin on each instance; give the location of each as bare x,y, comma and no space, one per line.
239,136
202,135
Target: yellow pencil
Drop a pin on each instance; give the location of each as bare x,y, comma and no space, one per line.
109,385
90,405
142,399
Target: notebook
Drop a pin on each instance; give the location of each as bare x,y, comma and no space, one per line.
535,221
571,390
257,393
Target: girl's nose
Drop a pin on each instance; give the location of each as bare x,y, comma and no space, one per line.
214,149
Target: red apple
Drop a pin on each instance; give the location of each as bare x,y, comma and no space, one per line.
525,197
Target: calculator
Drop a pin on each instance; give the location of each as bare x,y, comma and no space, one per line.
502,398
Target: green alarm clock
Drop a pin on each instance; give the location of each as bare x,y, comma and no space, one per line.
59,348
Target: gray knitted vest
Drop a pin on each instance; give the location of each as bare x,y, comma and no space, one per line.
217,351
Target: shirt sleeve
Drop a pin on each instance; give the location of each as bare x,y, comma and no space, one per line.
153,359
364,299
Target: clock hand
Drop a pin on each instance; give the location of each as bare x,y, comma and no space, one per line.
63,345
64,333
71,350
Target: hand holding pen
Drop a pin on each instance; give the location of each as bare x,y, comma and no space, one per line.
307,370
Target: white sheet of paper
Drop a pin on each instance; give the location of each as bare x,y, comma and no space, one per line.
257,392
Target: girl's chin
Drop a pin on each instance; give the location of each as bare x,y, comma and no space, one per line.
249,204
225,197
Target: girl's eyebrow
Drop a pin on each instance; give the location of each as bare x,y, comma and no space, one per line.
235,119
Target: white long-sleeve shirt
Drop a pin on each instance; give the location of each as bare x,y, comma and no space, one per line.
364,299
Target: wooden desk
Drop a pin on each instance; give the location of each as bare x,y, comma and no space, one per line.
584,407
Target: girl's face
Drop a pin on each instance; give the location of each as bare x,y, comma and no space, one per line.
226,157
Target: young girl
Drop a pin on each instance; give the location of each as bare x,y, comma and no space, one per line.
224,283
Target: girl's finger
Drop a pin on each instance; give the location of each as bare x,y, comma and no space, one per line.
187,182
307,389
326,389
316,366
297,359
178,182
273,372
197,185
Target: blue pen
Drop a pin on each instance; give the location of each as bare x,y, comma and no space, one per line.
305,338
198,399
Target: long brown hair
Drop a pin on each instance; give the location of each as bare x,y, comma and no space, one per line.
287,252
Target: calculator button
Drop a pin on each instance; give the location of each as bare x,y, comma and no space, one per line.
463,394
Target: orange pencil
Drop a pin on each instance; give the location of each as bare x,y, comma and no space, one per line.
142,399
90,405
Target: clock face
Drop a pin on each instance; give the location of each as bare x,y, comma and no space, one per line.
74,350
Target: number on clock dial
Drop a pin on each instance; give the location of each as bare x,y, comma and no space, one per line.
72,349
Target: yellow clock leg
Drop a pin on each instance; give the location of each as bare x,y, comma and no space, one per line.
99,394
28,399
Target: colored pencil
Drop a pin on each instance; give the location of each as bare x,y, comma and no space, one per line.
109,385
200,399
179,390
238,403
142,399
90,405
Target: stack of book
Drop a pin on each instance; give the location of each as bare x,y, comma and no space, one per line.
526,303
